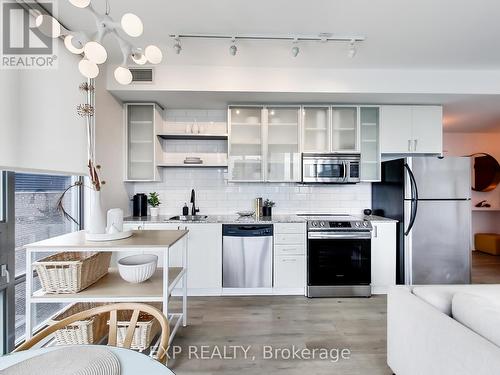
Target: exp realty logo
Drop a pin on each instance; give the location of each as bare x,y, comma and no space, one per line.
24,45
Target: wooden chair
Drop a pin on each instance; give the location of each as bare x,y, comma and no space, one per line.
113,327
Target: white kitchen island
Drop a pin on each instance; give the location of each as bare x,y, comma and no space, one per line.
112,288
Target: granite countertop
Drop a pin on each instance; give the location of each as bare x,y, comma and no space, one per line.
235,219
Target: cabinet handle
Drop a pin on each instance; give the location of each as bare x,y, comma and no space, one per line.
290,260
375,231
415,144
409,145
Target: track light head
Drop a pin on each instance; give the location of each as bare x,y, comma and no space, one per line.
233,50
352,49
177,45
295,48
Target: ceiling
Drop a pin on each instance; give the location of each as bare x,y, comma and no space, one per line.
400,34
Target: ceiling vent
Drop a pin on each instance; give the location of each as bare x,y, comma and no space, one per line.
144,75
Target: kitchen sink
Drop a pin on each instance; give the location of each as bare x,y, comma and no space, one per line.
189,218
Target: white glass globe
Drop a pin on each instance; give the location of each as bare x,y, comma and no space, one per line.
140,58
95,52
80,3
132,24
68,42
48,25
123,75
88,68
153,54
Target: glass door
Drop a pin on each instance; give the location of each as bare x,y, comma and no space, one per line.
7,302
245,146
370,145
316,132
283,153
344,129
140,142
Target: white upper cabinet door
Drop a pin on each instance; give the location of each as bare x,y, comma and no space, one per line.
245,144
344,129
283,146
316,129
395,129
427,129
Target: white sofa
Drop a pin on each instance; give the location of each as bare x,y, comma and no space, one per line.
444,329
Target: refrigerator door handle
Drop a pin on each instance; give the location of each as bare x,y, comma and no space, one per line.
414,199
413,183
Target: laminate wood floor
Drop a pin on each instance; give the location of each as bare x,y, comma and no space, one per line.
281,322
485,268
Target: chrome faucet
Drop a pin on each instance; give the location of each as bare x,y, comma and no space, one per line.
194,210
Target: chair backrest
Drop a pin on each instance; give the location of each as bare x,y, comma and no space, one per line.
113,309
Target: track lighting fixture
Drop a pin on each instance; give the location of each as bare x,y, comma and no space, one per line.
352,49
233,50
295,48
177,45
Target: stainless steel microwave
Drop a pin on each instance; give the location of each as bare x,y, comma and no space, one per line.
330,168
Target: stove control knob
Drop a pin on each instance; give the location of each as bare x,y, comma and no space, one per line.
314,224
365,223
356,224
322,223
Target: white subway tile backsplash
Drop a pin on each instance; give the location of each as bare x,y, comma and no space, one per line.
216,196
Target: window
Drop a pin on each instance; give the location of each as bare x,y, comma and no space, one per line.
38,218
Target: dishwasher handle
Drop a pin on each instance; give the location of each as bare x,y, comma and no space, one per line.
247,230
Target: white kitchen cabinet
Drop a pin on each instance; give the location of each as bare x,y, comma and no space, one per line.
282,132
143,148
427,129
290,272
289,258
204,255
370,144
411,129
316,129
245,146
264,144
344,132
383,256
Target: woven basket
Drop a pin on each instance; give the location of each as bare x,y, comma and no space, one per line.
145,331
89,331
71,272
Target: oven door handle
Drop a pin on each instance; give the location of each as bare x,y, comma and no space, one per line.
339,235
345,169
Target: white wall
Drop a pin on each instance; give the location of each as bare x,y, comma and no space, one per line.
41,130
110,147
460,144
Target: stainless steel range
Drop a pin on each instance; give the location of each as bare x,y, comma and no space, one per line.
338,256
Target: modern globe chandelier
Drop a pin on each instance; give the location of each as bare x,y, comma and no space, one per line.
90,45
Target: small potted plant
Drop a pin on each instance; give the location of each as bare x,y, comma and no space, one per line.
154,202
267,208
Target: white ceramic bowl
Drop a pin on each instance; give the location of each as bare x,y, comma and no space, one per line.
137,268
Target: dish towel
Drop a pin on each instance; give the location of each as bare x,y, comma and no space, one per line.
78,360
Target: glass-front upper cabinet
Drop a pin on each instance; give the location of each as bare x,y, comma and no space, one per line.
283,151
370,143
316,129
245,144
142,143
344,129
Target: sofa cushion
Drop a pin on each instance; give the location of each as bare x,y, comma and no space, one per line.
478,313
441,296
438,297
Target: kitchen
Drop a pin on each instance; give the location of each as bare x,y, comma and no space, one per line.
268,193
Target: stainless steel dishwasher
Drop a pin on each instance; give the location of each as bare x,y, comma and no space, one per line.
247,256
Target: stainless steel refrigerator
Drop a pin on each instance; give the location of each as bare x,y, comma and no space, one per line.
430,198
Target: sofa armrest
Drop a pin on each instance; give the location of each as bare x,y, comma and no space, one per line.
423,341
